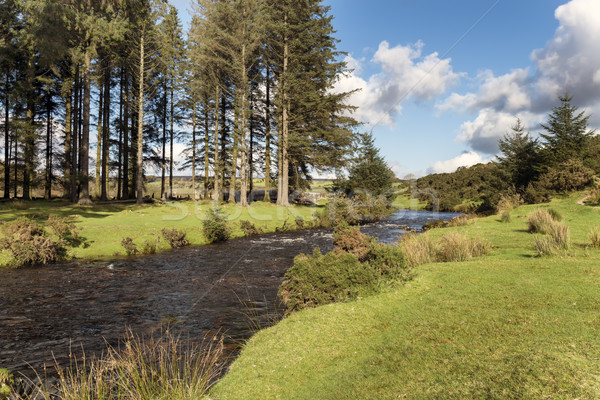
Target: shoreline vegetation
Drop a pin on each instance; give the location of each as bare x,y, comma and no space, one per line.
505,322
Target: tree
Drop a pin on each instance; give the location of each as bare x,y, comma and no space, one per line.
520,160
567,136
370,173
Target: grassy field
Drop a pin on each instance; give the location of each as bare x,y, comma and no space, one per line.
510,325
104,226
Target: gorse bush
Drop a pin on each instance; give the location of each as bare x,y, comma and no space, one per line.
28,242
175,238
249,228
352,211
341,275
129,246
214,227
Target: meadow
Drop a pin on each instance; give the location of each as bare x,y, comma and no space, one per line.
508,325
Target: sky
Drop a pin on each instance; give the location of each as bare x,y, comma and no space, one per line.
441,81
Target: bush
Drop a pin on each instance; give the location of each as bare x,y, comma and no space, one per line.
340,275
28,243
348,239
506,216
175,238
215,228
595,237
352,211
508,202
149,247
418,249
540,221
129,246
249,228
568,176
322,279
300,222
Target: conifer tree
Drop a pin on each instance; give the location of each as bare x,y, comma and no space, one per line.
520,157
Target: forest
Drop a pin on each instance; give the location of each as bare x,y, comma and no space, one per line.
96,93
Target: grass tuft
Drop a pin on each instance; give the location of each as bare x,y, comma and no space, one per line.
595,237
418,249
540,221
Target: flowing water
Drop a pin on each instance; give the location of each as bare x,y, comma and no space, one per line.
49,312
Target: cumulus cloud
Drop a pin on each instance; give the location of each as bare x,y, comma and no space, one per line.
464,160
570,60
405,73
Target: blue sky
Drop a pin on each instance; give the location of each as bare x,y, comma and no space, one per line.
442,80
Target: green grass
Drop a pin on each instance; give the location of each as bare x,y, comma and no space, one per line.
509,325
104,226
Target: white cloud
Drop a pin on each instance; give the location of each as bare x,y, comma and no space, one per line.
464,160
570,60
405,74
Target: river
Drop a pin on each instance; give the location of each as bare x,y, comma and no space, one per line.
49,312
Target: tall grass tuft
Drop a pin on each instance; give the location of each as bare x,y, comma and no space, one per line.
544,246
540,221
561,236
418,249
163,368
595,237
456,247
462,220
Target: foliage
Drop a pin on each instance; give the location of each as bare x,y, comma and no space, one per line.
352,211
567,177
369,174
214,227
7,379
358,267
249,228
129,246
567,136
28,242
175,238
520,157
149,247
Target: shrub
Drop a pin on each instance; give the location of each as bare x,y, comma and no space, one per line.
340,276
65,230
540,221
568,176
352,211
215,228
595,237
28,243
594,197
322,279
129,246
456,247
7,379
149,247
299,222
508,202
175,238
418,249
249,228
348,239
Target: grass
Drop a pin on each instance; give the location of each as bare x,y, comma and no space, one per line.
105,226
509,325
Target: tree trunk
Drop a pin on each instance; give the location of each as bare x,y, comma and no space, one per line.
194,148
6,137
283,173
75,134
268,138
206,148
99,138
140,138
68,124
85,137
243,166
163,194
217,192
125,188
120,155
48,186
105,135
171,147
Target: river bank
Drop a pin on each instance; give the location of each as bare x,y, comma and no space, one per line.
509,325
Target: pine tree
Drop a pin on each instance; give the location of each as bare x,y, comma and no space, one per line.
369,173
567,135
520,157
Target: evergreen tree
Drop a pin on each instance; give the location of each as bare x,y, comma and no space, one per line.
567,136
519,161
369,173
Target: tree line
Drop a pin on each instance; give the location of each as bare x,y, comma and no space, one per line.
248,91
565,157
